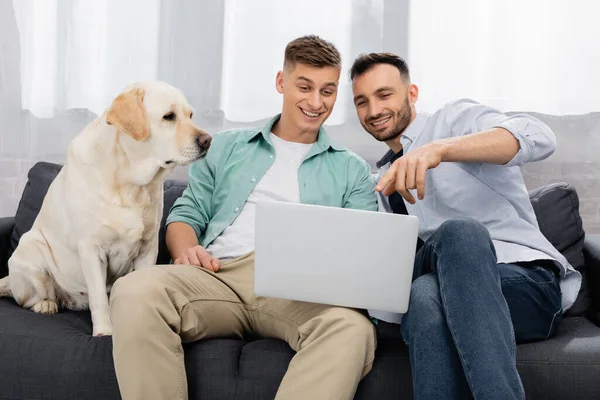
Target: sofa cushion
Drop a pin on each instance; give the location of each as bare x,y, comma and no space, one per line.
591,251
54,357
40,177
7,226
556,208
564,367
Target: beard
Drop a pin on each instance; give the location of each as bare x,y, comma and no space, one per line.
403,118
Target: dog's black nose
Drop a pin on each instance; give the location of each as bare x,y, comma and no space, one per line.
203,140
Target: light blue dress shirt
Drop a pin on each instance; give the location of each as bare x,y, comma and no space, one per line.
494,195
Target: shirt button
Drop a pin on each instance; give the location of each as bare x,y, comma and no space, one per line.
237,209
253,179
271,156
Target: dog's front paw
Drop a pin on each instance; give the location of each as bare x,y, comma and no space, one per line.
45,307
102,324
102,331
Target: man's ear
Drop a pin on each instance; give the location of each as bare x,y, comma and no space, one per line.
279,82
413,94
128,114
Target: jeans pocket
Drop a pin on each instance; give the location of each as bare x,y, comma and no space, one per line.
541,274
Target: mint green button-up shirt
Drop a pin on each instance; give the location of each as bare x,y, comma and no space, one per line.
220,183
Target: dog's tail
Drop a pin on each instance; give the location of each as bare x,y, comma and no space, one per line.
5,287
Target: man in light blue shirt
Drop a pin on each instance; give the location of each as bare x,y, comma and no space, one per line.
485,277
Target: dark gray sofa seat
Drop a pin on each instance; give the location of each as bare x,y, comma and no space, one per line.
55,357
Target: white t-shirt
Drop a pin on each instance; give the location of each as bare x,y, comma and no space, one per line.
280,183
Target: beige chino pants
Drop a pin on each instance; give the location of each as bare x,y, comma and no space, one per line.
154,310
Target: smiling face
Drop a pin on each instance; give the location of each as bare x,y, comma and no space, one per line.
384,101
309,94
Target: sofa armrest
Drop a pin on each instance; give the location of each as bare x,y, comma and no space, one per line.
7,224
591,252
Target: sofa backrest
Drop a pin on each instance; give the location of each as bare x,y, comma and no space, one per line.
556,207
173,190
40,177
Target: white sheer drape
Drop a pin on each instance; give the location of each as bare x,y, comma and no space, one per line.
532,55
79,54
62,62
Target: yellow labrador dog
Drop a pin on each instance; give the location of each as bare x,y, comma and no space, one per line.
101,215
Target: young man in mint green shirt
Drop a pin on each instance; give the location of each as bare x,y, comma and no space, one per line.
210,235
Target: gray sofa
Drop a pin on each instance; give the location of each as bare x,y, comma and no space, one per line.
55,357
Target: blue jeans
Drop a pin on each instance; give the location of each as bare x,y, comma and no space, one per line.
467,312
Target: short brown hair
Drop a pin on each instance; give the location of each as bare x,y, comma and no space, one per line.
365,62
312,50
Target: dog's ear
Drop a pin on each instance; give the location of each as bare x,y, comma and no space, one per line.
128,114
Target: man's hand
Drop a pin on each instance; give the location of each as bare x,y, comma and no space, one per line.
408,172
198,256
184,248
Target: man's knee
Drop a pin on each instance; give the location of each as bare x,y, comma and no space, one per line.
463,240
356,321
464,229
362,328
357,328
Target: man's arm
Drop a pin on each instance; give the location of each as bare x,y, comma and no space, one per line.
483,134
492,146
191,213
193,207
180,237
476,133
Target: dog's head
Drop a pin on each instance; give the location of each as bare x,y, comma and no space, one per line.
157,121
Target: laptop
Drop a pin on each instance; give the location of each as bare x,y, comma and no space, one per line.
334,256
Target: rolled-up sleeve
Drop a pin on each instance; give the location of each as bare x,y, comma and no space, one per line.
536,139
193,207
362,195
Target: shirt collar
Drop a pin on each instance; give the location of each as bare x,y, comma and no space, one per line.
323,142
415,128
410,134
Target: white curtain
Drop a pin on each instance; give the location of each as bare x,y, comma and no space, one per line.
80,54
529,55
62,61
